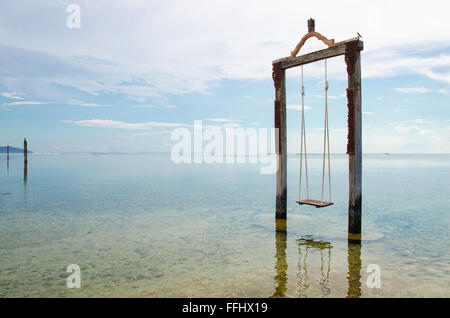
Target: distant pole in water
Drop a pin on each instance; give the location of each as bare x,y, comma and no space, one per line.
25,160
25,151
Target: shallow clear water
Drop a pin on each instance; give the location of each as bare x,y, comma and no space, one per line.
139,225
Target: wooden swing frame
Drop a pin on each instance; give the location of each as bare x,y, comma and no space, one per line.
351,48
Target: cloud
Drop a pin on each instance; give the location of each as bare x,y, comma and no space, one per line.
298,107
107,123
404,128
222,120
154,106
10,95
223,123
444,91
75,102
413,90
368,113
420,131
120,47
329,96
24,103
422,121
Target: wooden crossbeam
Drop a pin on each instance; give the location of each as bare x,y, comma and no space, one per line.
335,50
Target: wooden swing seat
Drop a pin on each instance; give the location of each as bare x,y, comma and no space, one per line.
316,203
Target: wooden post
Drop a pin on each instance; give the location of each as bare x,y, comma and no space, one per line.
25,151
7,153
25,160
279,78
354,146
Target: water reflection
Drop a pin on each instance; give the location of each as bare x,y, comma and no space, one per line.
354,269
25,172
309,251
281,263
309,245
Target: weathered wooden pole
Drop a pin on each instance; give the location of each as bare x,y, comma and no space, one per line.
25,151
279,78
25,160
354,144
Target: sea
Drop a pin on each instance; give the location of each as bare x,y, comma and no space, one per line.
140,225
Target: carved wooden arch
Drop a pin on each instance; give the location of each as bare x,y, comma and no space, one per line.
328,42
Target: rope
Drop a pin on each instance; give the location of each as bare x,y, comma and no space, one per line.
326,140
303,141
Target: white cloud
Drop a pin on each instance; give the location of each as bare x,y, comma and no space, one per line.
24,103
222,120
329,96
190,55
412,90
10,95
420,131
75,102
369,113
154,106
404,128
298,107
107,123
444,91
422,121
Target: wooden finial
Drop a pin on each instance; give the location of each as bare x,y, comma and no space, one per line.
311,33
311,25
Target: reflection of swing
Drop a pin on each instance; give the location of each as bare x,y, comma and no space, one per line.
303,279
326,148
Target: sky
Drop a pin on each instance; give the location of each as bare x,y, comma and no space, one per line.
135,70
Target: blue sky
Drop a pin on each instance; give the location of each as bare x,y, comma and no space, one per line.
136,70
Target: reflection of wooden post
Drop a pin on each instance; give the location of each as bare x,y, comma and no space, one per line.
279,78
7,155
354,269
354,146
281,264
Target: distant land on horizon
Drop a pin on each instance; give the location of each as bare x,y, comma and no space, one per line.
13,150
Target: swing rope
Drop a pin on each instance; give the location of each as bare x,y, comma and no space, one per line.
303,142
326,141
326,148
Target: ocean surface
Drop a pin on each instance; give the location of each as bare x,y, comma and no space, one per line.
142,226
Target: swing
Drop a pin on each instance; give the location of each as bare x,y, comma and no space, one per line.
326,148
